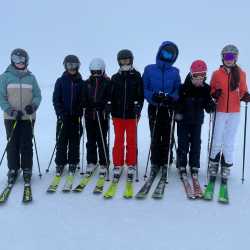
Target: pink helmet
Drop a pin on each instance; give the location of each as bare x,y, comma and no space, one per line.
198,66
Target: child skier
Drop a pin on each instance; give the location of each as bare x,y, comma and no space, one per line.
20,97
161,88
194,98
127,102
97,95
228,87
68,104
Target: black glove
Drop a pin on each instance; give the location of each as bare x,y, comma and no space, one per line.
30,109
137,109
168,100
246,97
158,97
108,108
217,93
178,117
211,107
16,114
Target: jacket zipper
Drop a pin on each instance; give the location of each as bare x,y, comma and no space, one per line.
71,101
125,98
96,87
228,93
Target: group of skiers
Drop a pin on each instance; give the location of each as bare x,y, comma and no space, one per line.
122,97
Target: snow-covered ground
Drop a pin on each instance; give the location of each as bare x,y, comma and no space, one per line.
51,29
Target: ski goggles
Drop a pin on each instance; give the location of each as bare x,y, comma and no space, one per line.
96,72
167,55
72,66
18,59
229,56
199,74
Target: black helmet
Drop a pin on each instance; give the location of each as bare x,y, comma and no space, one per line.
19,56
72,61
125,54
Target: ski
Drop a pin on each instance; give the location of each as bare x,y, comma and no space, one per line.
209,191
143,192
197,188
129,191
84,182
54,184
27,194
110,193
160,188
223,194
99,185
68,183
187,187
5,193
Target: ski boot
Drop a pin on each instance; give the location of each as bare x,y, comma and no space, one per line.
131,173
27,176
154,170
102,171
12,176
225,172
72,169
90,168
182,172
117,173
59,170
213,169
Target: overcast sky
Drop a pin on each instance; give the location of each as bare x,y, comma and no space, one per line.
50,29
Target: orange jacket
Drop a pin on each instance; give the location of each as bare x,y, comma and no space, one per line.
229,101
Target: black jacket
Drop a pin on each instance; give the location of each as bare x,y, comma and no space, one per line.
127,88
193,100
97,92
67,95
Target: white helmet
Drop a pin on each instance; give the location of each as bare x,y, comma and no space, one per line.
97,64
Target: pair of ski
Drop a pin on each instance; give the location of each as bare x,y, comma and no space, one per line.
70,180
159,190
223,191
194,192
27,194
112,189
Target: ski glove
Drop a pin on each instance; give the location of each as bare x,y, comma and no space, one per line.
168,101
16,114
158,97
137,110
30,109
178,117
108,108
217,93
246,97
211,107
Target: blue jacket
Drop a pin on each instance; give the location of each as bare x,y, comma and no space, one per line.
161,76
68,95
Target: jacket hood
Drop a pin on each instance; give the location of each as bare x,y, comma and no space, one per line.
162,63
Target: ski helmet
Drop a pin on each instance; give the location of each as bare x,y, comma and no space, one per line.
198,66
71,62
19,56
230,50
125,54
97,64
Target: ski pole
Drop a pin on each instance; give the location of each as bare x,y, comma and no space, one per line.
57,138
8,141
83,141
34,138
170,142
136,124
102,138
208,142
152,136
244,145
211,144
108,145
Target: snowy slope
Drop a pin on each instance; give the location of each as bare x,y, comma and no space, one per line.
51,29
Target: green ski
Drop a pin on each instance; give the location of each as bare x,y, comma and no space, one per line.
223,194
99,185
209,191
129,191
27,194
5,194
69,183
54,184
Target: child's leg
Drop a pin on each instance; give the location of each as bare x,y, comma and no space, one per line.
195,148
118,149
91,131
131,148
183,145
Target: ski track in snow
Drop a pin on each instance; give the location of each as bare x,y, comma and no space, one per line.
86,221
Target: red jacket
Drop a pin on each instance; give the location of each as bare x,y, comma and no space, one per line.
229,101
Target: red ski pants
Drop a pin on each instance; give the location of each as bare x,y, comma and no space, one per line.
122,127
